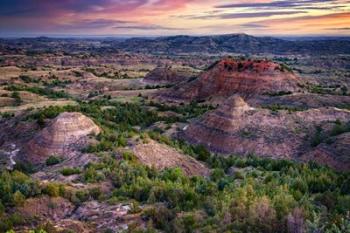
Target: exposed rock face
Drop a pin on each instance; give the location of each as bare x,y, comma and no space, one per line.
230,76
235,128
168,75
66,132
103,216
160,156
335,154
91,216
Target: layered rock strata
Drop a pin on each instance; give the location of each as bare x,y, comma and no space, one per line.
68,131
236,128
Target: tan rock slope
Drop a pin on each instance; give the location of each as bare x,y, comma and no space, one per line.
230,76
236,128
66,132
160,156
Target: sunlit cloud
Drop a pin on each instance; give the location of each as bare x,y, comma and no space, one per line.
170,17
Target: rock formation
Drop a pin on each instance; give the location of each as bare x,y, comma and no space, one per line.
103,216
66,132
230,76
236,128
169,75
161,156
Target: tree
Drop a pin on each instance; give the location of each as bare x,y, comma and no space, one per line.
18,198
262,216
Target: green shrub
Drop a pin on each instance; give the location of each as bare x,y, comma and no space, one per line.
18,198
161,217
68,171
52,160
52,189
17,97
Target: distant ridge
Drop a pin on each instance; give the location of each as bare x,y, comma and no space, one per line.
234,43
182,44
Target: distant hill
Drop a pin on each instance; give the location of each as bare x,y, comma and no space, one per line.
218,44
234,43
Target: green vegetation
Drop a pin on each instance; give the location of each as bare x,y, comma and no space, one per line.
188,111
68,171
53,160
6,114
285,68
15,95
330,90
38,90
277,107
28,79
111,75
321,136
263,197
57,83
280,93
241,195
15,187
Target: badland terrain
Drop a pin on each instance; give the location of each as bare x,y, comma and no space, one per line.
229,133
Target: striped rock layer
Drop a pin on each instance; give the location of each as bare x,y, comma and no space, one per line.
245,77
66,132
236,128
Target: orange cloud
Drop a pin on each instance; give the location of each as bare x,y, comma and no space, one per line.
307,24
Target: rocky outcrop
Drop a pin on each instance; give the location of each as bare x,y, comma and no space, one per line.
103,216
67,132
236,128
160,156
169,75
230,76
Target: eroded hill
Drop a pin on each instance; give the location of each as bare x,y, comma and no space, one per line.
234,76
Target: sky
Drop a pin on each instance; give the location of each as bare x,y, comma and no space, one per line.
173,17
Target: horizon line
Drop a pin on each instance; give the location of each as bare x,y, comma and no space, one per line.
125,36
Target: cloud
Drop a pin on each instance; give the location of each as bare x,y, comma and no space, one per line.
241,15
253,25
258,14
111,24
108,16
308,24
145,27
339,29
36,7
274,4
93,23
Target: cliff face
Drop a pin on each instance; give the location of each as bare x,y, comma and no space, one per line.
236,128
230,76
67,131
